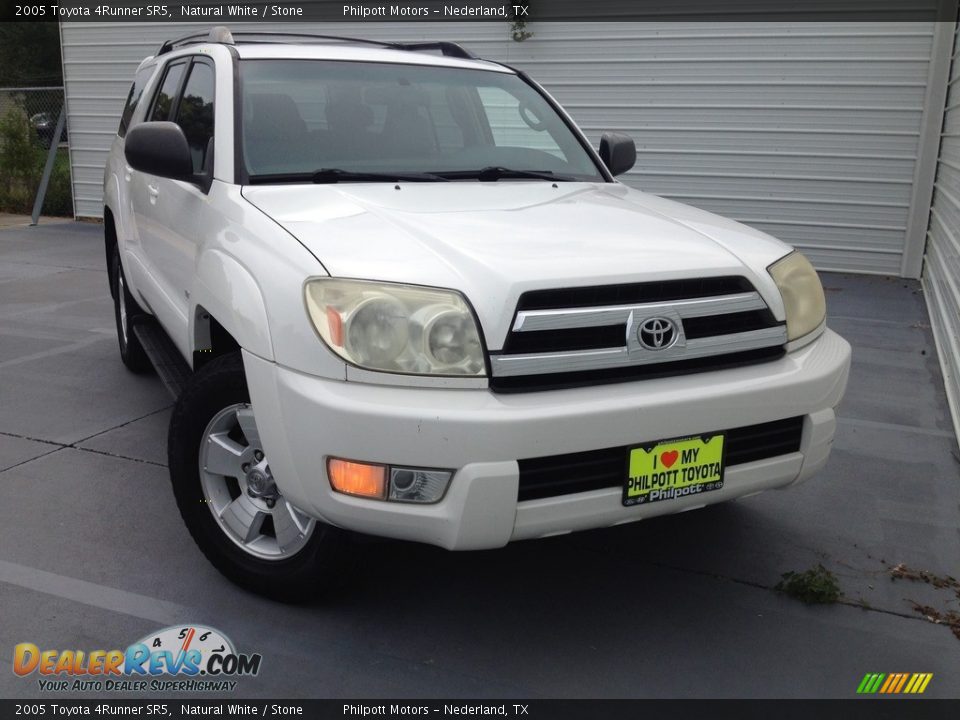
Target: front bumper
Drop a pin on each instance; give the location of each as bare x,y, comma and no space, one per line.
303,419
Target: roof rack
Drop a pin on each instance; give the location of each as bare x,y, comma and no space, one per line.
450,49
218,34
223,36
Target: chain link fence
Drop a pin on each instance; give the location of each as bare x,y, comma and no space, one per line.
30,150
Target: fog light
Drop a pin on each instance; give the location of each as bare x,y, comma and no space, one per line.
418,485
353,478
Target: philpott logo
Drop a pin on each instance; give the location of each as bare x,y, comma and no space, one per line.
201,658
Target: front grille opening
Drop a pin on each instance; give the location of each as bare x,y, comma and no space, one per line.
586,338
584,378
611,336
600,469
633,293
710,325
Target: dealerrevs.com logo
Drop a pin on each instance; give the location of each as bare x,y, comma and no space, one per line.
178,658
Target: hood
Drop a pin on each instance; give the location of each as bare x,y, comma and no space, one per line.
495,240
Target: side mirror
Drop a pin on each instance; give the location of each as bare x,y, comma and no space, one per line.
159,148
618,152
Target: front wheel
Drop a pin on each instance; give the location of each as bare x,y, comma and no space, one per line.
227,495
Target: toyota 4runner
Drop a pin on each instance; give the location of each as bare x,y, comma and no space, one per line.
394,290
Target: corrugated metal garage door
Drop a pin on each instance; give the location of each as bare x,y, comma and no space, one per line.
941,273
809,131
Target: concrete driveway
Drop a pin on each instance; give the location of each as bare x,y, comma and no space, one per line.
93,553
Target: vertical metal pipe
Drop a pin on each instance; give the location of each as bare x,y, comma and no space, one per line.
48,169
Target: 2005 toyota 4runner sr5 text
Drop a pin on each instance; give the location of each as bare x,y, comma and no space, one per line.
395,291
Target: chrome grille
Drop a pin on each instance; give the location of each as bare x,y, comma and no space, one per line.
582,336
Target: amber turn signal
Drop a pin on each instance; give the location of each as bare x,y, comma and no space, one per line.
354,478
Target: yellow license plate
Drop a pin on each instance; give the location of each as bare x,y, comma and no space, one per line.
672,469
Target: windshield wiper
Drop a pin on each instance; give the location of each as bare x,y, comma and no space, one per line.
493,173
332,175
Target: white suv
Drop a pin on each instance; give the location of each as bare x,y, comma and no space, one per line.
396,291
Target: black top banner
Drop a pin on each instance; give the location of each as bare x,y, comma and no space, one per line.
209,11
914,709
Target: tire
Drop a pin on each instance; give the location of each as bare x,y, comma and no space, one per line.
212,441
125,312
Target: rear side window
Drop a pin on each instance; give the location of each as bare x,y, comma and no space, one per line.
195,114
133,98
163,102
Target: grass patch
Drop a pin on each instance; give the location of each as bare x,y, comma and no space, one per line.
816,586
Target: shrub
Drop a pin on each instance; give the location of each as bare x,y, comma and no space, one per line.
22,160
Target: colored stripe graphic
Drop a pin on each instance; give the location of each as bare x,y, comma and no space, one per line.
891,680
870,683
894,683
903,679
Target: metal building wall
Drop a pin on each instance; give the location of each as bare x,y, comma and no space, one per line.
809,131
941,274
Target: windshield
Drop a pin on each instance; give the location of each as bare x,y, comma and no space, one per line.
303,116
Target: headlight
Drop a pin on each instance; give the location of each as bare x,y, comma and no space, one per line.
396,328
802,294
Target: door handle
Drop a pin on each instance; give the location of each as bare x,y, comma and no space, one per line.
153,190
128,171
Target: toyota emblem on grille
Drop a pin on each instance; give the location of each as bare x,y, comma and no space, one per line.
657,333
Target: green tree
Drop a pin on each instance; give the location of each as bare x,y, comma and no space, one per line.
30,54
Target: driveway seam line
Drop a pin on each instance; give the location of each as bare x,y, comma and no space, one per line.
62,349
123,424
30,460
876,321
33,439
894,427
76,444
119,457
761,586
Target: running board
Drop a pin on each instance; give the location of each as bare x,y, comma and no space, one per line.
166,358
